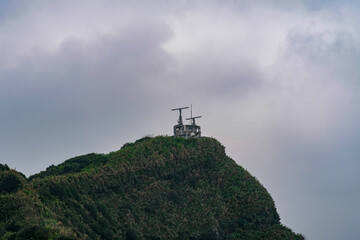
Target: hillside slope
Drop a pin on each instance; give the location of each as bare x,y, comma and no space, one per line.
155,188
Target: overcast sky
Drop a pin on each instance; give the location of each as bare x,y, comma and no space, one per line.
277,82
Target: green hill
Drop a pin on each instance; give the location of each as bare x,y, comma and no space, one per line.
155,188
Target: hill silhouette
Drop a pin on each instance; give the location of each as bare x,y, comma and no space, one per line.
155,188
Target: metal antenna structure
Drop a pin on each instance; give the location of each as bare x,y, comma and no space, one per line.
180,122
193,119
188,130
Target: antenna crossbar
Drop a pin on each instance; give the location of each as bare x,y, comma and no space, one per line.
193,117
179,108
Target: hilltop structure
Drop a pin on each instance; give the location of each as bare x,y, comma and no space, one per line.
186,131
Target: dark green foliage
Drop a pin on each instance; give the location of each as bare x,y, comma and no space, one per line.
155,188
22,216
130,234
75,165
10,181
34,232
38,232
274,232
4,167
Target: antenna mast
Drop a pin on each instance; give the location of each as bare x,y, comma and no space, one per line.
191,110
180,117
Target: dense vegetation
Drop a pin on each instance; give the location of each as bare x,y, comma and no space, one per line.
155,188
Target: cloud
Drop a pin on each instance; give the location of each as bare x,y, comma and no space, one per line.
77,84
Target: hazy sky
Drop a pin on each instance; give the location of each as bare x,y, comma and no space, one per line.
277,82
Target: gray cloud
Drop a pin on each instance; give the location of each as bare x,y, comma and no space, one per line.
78,91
